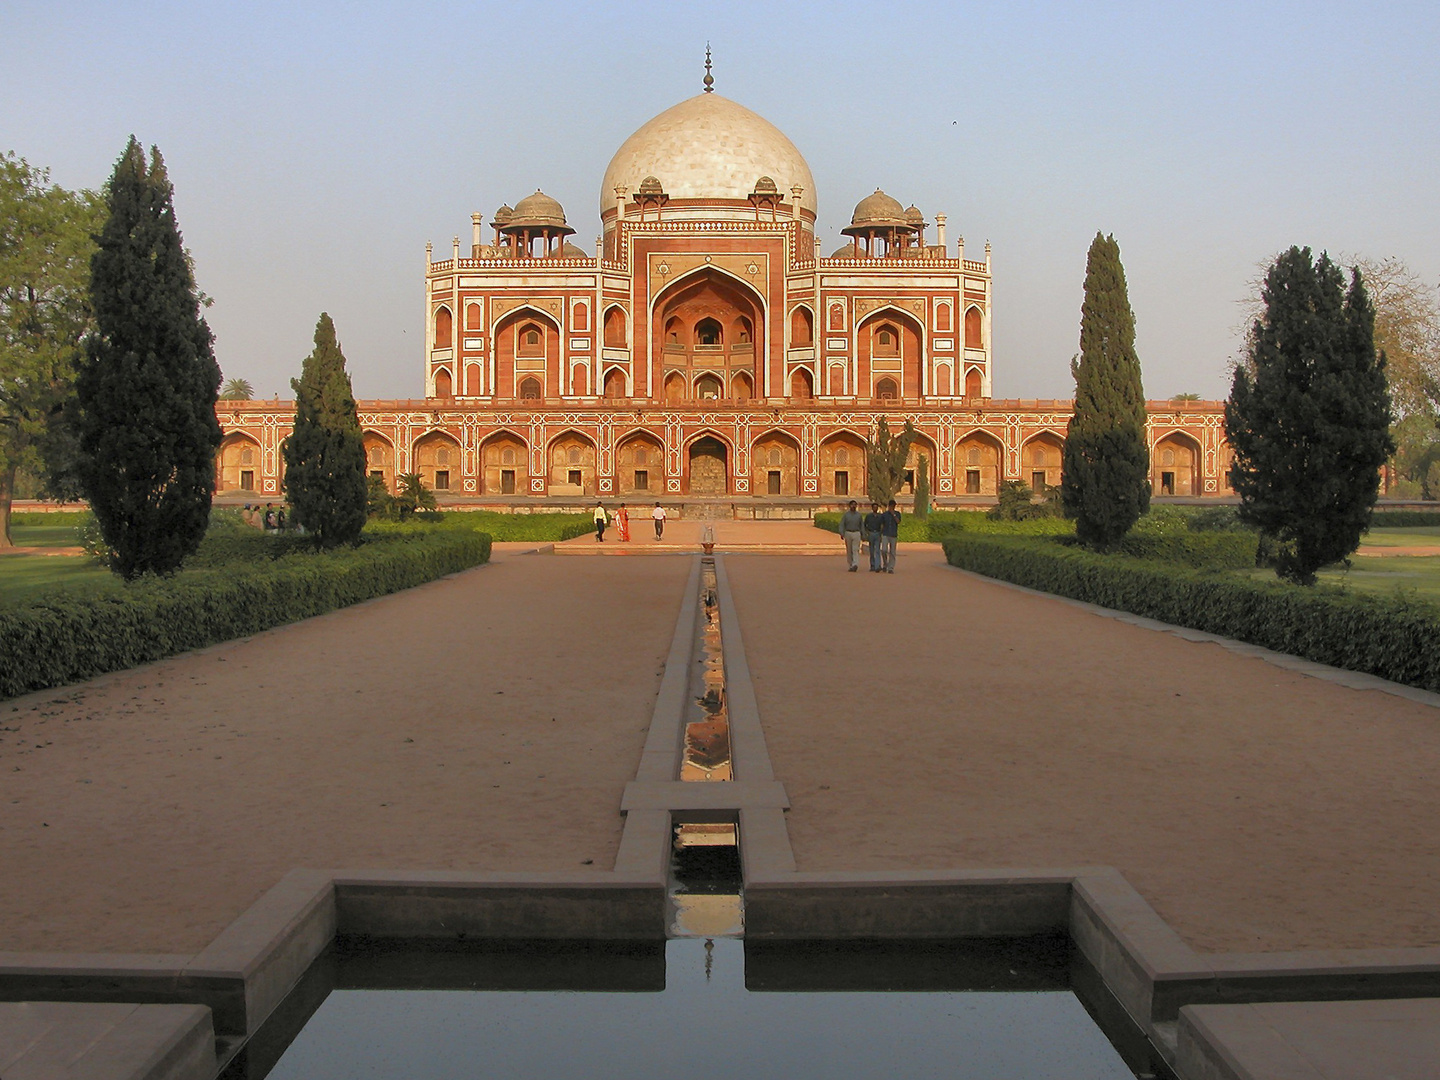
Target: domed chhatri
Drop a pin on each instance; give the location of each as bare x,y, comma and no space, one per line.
878,210
539,211
708,147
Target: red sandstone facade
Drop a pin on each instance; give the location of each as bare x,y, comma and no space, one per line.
709,351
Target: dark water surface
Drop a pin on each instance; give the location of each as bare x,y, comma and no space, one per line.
687,1008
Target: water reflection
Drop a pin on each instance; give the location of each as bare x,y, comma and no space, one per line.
705,882
714,1024
707,738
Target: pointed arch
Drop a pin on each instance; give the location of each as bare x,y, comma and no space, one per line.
640,462
444,385
1042,456
708,458
904,365
1176,464
237,463
843,472
504,463
802,326
615,326
510,367
572,458
616,384
775,463
444,322
435,455
974,327
979,462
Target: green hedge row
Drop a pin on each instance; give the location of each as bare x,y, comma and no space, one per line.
530,528
59,639
947,523
1404,519
1201,550
1393,638
59,517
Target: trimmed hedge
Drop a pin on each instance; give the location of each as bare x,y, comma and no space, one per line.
1201,550
529,528
63,638
1404,519
941,524
1394,638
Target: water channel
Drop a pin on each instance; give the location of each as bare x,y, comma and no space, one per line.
702,1003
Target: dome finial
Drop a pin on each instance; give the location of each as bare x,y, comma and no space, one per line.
709,79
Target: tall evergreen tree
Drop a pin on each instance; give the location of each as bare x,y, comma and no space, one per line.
1105,482
885,457
1309,415
147,385
325,456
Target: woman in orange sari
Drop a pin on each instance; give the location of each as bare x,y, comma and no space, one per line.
622,522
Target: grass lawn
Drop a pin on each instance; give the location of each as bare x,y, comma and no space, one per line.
1418,537
44,535
23,576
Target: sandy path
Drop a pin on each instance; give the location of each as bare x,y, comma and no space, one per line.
931,719
490,720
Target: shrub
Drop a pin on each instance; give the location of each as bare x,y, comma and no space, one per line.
60,638
1201,550
1384,519
1394,638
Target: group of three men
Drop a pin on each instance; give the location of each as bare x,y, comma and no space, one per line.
879,529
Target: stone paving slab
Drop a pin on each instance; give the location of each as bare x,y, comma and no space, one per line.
44,1040
1304,1040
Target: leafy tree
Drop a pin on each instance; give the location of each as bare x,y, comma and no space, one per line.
324,456
148,380
922,488
237,390
1105,481
885,456
1309,416
45,250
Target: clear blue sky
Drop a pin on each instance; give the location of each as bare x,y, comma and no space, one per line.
315,148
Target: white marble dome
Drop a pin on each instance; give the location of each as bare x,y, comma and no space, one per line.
708,147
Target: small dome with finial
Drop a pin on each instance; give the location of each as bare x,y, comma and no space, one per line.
651,186
766,186
503,215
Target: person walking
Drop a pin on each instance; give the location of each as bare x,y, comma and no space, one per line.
889,536
851,525
658,516
622,524
601,520
269,517
870,527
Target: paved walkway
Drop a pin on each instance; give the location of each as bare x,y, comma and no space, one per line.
925,719
486,721
933,719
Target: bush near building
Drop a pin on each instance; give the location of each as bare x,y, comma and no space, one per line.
1396,638
254,585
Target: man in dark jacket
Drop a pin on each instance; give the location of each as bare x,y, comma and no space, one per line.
889,536
870,529
852,527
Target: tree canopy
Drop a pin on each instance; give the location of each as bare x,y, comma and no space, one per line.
45,249
1309,415
885,457
148,381
324,455
1105,480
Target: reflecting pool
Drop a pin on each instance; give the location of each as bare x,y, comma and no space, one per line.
687,1008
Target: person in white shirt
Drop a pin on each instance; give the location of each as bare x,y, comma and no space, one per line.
601,520
658,516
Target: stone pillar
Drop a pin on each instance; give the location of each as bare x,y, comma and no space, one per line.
477,220
940,233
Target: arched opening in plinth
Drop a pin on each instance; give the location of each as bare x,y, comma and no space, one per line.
775,465
1041,459
237,465
573,458
707,467
640,464
977,464
505,465
379,458
1175,465
842,466
436,457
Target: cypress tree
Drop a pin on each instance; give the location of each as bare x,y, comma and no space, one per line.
146,388
1309,415
325,457
922,487
1105,482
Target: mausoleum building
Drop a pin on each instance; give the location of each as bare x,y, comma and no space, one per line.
708,349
